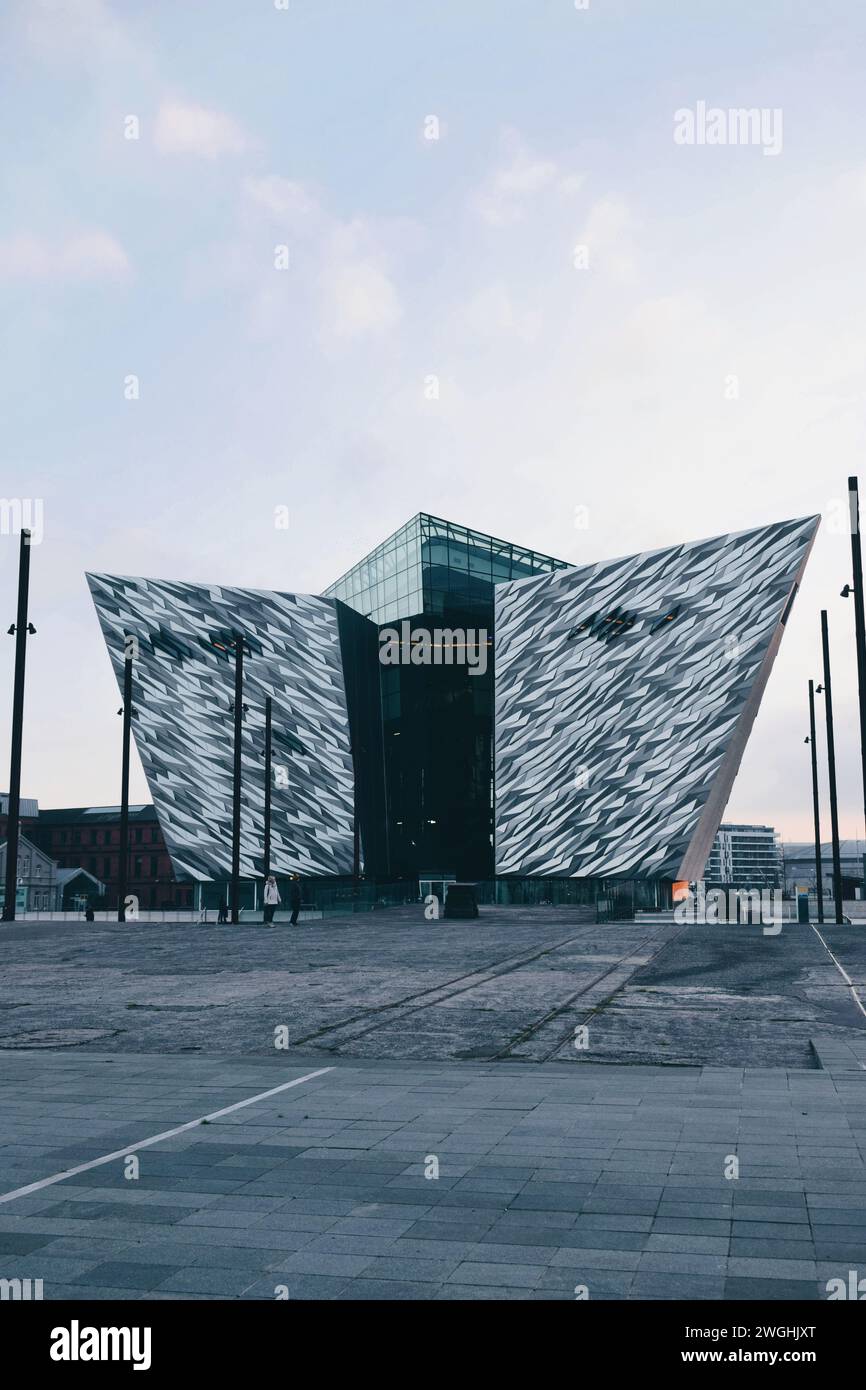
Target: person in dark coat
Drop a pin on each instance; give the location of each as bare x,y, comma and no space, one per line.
295,899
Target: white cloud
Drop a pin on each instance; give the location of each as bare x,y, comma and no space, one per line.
358,296
92,255
357,299
491,313
285,200
196,130
504,196
74,31
341,270
607,234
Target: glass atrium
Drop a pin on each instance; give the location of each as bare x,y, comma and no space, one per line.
437,721
431,565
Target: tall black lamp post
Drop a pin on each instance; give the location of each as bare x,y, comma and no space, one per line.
126,711
21,629
859,623
816,806
235,894
293,745
831,767
269,755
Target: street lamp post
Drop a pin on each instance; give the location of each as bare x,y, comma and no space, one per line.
236,784
859,620
831,765
859,623
356,839
126,711
292,745
21,629
816,807
268,774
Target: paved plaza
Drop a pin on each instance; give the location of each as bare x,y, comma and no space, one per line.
494,1158
551,1179
512,985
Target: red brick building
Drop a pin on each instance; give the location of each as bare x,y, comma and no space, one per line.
28,811
89,837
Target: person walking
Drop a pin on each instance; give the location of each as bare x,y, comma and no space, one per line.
223,914
272,899
295,899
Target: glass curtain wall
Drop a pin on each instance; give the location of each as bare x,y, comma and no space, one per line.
430,565
438,720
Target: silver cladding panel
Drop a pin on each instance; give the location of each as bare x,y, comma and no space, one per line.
609,740
182,721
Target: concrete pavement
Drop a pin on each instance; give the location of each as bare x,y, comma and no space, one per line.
512,986
438,1180
520,1107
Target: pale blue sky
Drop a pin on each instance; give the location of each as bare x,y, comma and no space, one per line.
605,388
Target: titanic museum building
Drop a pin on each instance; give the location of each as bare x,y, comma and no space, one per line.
459,707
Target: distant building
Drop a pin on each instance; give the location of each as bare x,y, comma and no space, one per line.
38,887
43,885
78,888
429,707
88,837
28,811
799,864
745,856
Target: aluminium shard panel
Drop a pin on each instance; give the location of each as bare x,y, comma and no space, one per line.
183,693
625,692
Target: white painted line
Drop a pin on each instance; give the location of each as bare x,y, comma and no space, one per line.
845,976
157,1138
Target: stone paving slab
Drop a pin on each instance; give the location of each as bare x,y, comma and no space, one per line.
550,1179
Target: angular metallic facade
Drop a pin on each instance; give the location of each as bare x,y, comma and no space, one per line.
182,721
617,706
624,695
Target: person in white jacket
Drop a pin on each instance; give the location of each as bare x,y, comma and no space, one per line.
272,899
